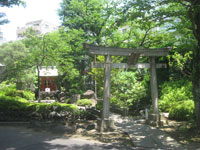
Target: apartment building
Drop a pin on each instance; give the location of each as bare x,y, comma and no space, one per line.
1,37
40,26
2,68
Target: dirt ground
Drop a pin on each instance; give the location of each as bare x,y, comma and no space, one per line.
185,133
118,138
115,137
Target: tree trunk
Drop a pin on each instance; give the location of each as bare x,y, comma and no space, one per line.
38,71
196,82
196,62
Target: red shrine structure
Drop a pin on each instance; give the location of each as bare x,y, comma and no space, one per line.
47,78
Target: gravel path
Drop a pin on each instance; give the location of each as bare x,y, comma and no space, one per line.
145,136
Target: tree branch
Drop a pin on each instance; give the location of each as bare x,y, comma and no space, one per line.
145,35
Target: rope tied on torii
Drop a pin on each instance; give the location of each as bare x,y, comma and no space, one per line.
134,54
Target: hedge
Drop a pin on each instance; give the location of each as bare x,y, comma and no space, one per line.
14,106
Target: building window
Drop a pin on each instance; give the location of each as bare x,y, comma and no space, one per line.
38,31
47,83
46,26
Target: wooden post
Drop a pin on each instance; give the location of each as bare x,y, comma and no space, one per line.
38,69
106,93
95,81
154,89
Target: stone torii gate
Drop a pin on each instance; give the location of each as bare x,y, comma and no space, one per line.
133,58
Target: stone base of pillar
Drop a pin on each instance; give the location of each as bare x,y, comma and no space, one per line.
124,112
105,125
157,120
163,119
154,120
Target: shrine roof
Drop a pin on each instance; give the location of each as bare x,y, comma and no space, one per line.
49,71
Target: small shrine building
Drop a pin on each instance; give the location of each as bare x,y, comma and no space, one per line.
48,75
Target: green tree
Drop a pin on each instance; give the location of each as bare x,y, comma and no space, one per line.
14,56
127,89
38,46
10,3
101,22
181,20
187,12
95,17
65,49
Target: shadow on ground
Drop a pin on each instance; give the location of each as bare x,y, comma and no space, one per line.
21,138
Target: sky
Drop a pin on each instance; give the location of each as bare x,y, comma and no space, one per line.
34,10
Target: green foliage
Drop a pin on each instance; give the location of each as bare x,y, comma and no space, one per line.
16,108
128,24
182,110
99,105
84,102
62,49
9,89
13,55
94,17
42,108
65,50
63,107
173,92
10,3
8,103
67,100
28,95
177,99
57,107
16,57
15,100
126,89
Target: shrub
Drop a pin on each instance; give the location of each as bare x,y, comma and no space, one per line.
127,90
176,98
99,105
9,89
43,108
14,107
84,102
28,95
183,110
174,91
8,103
58,107
67,100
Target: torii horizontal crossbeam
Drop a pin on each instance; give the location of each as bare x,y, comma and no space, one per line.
125,65
100,50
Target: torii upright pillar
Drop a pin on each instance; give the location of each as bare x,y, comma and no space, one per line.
154,88
106,92
105,123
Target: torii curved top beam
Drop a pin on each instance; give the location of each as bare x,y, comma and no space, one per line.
112,51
